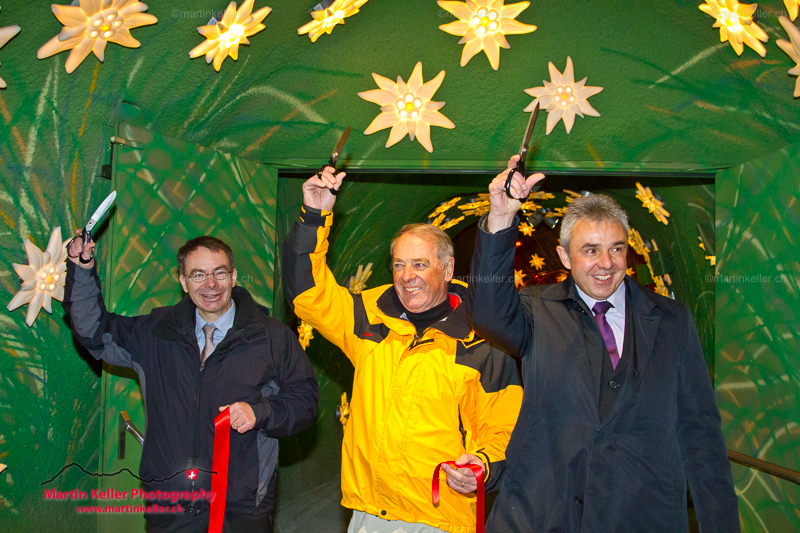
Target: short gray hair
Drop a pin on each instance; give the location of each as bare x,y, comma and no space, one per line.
431,233
596,208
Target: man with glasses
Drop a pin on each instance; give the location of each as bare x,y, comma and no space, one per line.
215,349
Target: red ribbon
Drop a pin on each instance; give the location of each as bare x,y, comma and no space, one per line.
219,479
478,470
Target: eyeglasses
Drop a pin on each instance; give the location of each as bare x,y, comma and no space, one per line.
200,277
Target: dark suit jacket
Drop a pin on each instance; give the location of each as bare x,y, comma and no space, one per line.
566,469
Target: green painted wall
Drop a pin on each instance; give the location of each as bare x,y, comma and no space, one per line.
675,102
757,293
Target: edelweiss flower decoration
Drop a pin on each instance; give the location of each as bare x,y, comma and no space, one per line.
5,35
735,23
327,19
793,6
407,108
42,278
224,37
563,97
793,49
94,24
484,25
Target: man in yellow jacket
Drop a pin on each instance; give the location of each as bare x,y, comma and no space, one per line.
426,388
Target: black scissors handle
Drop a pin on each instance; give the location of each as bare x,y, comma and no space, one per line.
86,236
331,163
520,167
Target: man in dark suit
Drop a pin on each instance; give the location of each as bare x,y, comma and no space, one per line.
618,407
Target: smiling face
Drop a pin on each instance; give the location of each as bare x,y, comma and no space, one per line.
213,296
597,257
420,279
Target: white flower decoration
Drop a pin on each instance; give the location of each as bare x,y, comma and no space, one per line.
324,20
224,37
91,26
42,278
793,49
793,6
407,108
735,23
563,98
484,25
5,35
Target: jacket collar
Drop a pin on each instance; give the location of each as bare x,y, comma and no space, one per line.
455,324
180,322
643,300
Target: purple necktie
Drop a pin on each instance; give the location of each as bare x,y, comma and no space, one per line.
600,309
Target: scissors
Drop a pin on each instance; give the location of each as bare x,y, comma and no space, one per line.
337,150
523,152
98,214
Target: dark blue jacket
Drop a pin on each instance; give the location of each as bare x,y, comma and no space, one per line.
260,361
567,469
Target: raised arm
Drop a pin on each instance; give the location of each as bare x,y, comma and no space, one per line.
494,304
310,285
89,319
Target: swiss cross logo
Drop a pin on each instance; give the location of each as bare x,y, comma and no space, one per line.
191,473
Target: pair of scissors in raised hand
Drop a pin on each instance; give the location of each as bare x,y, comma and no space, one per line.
98,214
523,152
337,150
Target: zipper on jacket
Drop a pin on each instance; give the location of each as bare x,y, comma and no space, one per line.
418,338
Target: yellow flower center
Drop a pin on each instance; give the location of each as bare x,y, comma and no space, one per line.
48,278
409,106
230,37
564,96
104,24
730,20
485,21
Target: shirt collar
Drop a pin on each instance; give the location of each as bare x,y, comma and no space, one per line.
617,299
223,323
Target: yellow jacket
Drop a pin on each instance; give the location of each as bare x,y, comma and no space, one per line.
416,401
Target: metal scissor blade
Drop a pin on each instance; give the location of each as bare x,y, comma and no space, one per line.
526,140
340,145
100,211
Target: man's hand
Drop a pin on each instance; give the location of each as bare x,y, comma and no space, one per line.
316,190
242,416
78,249
502,208
463,479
